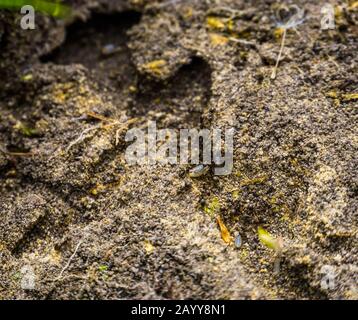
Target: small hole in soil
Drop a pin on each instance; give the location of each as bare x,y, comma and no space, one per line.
99,44
181,99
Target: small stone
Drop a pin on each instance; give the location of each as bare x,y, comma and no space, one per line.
238,241
198,171
109,49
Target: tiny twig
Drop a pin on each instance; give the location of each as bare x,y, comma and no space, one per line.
82,137
274,71
16,154
108,123
245,42
69,260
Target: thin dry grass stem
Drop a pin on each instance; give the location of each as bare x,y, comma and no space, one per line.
109,123
295,20
83,136
69,260
113,122
20,154
16,154
274,71
244,42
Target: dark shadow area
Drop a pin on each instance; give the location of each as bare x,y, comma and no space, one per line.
100,44
182,98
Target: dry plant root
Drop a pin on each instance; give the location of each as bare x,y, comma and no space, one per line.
106,123
16,154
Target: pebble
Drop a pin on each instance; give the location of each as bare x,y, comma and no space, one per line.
109,49
198,171
238,241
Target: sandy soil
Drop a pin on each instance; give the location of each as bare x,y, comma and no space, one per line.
91,227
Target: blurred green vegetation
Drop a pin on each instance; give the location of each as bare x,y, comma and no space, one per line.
52,8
